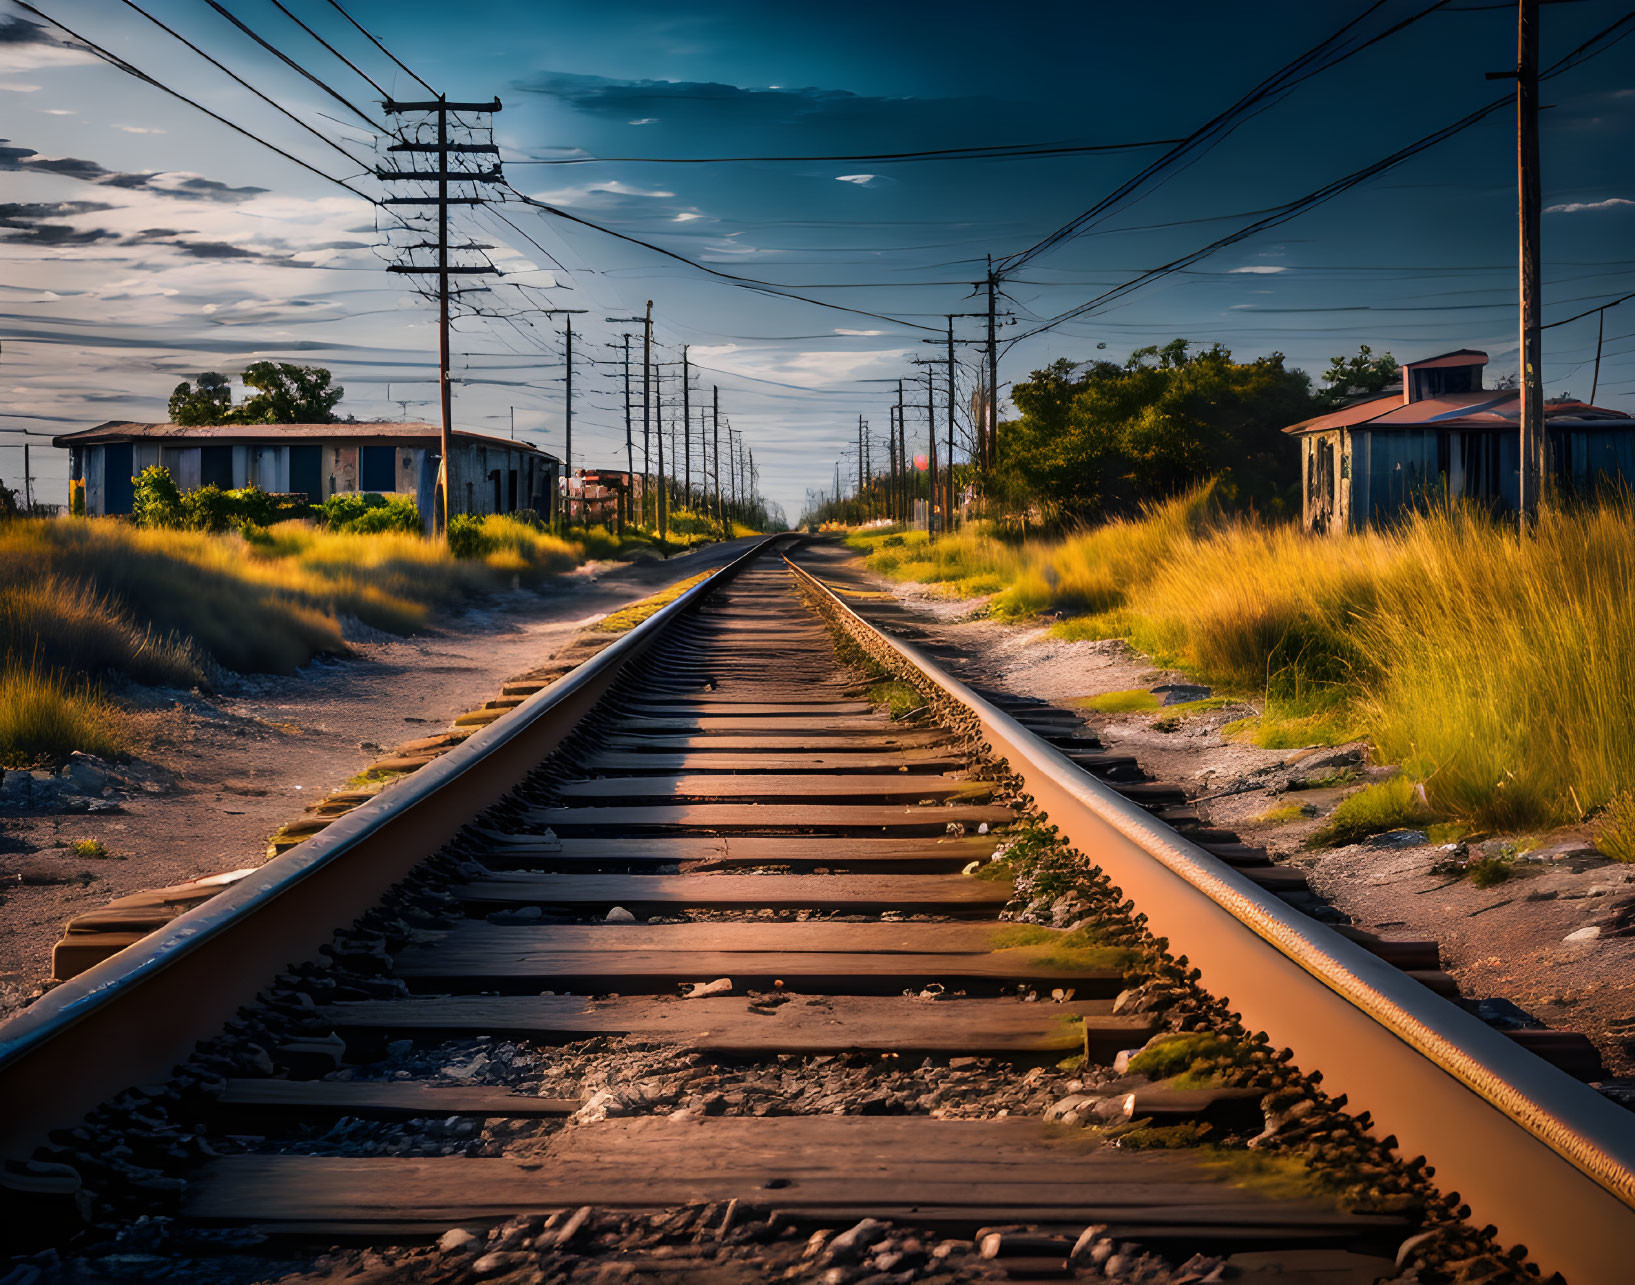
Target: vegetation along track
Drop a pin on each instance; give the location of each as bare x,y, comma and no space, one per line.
701,966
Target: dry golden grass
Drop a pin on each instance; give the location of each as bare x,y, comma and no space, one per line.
84,600
1495,668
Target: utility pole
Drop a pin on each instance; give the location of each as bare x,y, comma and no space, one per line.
28,481
950,469
629,443
567,449
647,407
862,470
907,462
931,433
1534,440
715,419
990,452
686,428
442,176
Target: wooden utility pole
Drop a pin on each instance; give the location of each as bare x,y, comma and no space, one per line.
950,467
567,448
715,454
907,461
1600,334
931,458
686,429
1534,440
442,176
28,482
629,441
862,466
990,453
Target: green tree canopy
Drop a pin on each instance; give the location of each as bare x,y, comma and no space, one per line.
1348,377
283,393
1106,436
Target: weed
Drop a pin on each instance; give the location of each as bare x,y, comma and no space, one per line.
1281,813
1164,1137
1130,702
627,618
1396,804
1615,831
90,849
898,697
1484,872
1172,1054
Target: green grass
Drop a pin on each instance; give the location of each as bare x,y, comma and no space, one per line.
627,618
1493,667
1169,1055
1130,702
899,698
1397,804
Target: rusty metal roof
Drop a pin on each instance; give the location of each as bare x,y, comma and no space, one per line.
1458,357
1489,408
117,430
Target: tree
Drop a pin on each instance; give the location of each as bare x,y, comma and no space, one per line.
210,403
284,394
288,394
1109,437
1362,375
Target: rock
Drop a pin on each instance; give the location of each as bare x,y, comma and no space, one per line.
520,915
87,772
1180,693
1583,934
1401,839
850,1244
1087,1240
1075,1104
700,990
619,915
14,790
457,1240
488,1264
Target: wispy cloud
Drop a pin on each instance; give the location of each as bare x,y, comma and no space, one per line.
179,183
1260,269
1580,207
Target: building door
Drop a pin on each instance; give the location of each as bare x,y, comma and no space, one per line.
1320,484
494,477
306,468
117,489
511,492
377,469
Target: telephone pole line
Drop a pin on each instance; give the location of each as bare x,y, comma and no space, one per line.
990,453
686,429
1534,440
442,176
715,454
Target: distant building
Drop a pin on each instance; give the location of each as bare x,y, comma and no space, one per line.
488,474
601,497
1443,434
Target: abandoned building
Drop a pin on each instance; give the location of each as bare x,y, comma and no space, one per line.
1443,434
488,474
605,497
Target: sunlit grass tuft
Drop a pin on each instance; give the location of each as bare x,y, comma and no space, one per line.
44,717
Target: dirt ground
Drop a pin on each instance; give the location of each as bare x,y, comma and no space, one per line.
220,773
1523,940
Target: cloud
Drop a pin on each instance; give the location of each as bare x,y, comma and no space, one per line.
862,180
1579,207
632,100
29,222
25,160
645,120
600,192
841,331
27,46
1260,269
139,129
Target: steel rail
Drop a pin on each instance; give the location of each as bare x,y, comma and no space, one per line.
1545,1159
130,1019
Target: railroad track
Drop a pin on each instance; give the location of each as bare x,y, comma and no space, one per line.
698,965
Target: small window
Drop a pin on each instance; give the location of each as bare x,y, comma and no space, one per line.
377,468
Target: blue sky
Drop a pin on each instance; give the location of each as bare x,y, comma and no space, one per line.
145,242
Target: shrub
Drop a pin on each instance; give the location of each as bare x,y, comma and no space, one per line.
156,502
76,498
209,508
465,536
253,507
369,513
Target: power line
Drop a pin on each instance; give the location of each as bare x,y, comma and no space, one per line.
333,4
1598,43
1220,126
279,54
131,70
993,152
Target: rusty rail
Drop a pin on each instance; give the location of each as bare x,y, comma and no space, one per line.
1545,1159
133,1017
